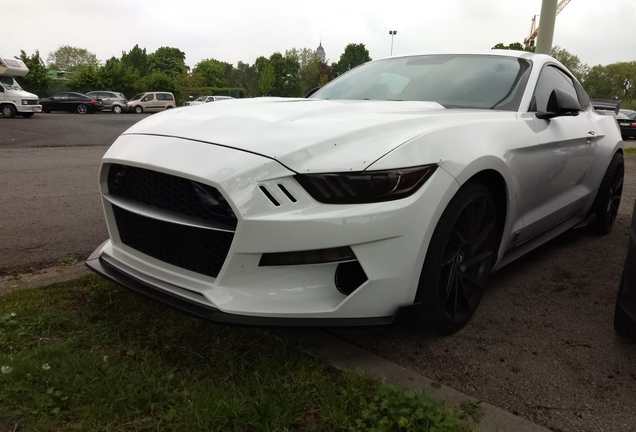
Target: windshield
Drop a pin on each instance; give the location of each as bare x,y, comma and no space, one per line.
137,97
453,81
201,98
9,83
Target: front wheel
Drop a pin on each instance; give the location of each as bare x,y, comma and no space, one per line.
9,111
82,109
117,109
624,325
608,198
27,115
461,253
139,109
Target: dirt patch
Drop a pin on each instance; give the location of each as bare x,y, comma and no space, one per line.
541,344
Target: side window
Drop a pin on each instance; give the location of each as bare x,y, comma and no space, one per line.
61,96
551,78
165,96
211,99
149,97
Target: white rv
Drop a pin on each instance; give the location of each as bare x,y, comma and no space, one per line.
13,100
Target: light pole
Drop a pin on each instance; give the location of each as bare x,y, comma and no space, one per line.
546,29
392,33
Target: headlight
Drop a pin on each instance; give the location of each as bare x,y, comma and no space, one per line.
365,186
25,102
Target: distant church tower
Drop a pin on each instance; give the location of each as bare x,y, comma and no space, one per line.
320,52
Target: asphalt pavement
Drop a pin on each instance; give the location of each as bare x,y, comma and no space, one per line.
49,200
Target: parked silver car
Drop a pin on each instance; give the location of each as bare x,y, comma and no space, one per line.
113,101
205,99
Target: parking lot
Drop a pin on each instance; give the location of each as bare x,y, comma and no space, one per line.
541,344
49,199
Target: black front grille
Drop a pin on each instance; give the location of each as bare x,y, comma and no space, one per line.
171,193
196,249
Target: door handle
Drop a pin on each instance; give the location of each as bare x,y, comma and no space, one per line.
590,136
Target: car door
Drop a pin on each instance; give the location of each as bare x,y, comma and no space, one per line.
149,102
58,102
107,98
552,182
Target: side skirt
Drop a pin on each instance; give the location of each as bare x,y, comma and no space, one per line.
540,239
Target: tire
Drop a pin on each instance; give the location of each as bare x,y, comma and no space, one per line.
623,323
27,115
47,111
117,109
169,107
81,109
460,256
139,109
8,111
608,198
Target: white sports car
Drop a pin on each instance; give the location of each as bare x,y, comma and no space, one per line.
398,187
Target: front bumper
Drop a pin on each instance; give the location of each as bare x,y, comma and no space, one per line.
29,108
145,288
389,241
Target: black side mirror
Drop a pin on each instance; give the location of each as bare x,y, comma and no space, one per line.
312,91
560,103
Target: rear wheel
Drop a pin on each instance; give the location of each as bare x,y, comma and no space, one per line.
139,109
82,109
461,254
27,115
8,111
117,109
608,198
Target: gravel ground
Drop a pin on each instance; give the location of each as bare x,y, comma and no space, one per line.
541,344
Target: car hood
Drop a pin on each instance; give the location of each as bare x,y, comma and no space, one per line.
309,135
21,94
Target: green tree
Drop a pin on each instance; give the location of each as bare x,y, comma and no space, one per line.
170,61
136,58
309,72
266,79
245,76
84,78
614,81
212,71
570,61
286,73
515,46
116,76
160,81
37,81
353,55
69,58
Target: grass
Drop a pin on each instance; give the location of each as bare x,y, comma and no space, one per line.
89,356
629,150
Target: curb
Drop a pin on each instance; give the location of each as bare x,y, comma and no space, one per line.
41,277
345,356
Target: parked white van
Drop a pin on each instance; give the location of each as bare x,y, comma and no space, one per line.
13,100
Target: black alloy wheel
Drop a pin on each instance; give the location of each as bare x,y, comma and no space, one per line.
608,198
462,251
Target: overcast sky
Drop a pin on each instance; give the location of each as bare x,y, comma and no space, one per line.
599,32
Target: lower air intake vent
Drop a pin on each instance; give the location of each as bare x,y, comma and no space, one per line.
196,249
349,276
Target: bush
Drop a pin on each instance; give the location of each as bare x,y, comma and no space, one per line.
394,409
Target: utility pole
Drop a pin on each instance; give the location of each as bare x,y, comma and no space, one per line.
392,33
546,28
